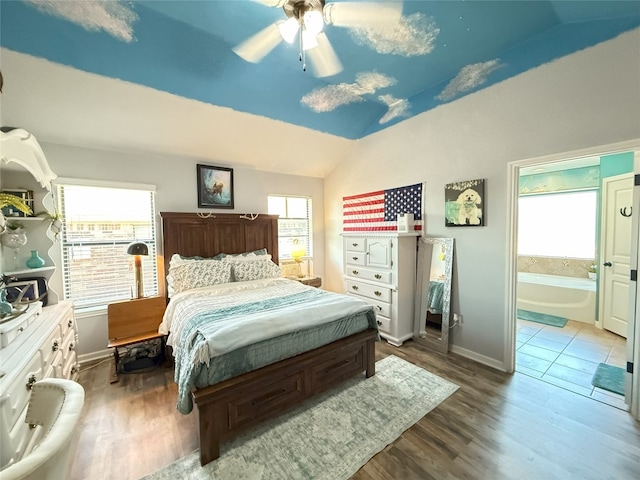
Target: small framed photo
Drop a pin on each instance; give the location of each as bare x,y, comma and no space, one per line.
464,204
215,187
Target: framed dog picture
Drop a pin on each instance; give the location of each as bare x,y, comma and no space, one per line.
464,204
215,187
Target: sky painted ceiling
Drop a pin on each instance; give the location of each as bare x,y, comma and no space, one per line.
435,53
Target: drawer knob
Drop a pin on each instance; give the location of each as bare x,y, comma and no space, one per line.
354,244
355,272
378,276
355,287
71,346
379,323
70,323
377,293
379,308
75,369
56,346
354,258
32,380
21,329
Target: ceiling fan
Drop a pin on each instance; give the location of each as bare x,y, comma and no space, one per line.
305,20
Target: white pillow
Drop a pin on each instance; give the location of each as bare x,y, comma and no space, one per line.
195,274
257,270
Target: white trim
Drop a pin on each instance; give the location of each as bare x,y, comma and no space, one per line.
511,250
84,182
632,388
476,357
93,356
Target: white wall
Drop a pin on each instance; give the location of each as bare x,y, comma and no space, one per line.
175,180
587,99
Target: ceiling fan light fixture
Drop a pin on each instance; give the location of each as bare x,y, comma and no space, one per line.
313,21
289,29
309,40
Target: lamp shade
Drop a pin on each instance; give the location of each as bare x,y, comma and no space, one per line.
298,250
138,248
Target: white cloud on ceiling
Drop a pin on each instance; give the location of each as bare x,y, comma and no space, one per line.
93,15
469,78
398,107
413,35
327,99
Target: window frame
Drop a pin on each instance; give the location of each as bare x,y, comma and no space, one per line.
560,254
286,257
151,271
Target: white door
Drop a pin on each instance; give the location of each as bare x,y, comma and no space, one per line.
615,256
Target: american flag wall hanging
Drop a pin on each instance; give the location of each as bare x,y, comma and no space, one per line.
378,211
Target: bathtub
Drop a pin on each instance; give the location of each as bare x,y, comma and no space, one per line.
568,297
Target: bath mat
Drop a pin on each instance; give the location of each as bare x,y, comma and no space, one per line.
541,318
609,377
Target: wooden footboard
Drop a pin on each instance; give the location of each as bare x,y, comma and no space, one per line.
229,407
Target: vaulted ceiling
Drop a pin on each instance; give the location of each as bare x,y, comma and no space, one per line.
393,67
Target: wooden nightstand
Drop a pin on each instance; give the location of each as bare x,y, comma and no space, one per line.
133,321
311,281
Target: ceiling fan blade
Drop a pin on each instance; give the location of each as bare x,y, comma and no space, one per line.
366,14
271,3
324,60
256,47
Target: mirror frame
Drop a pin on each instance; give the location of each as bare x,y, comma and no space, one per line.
425,251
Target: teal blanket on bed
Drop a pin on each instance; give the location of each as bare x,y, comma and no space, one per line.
217,332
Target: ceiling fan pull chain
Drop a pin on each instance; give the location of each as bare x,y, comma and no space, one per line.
303,56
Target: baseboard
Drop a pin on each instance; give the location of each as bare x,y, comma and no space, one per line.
93,356
476,357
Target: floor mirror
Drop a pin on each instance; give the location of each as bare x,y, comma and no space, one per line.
433,293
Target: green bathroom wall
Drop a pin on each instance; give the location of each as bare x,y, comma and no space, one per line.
616,164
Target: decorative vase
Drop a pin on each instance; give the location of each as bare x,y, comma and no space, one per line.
13,238
35,261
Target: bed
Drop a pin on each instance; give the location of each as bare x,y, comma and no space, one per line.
247,350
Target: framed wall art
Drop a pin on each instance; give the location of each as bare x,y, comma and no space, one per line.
464,204
215,187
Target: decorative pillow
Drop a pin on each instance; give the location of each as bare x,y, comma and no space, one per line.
245,271
196,274
246,258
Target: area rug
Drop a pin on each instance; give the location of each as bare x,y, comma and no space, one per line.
541,318
329,437
609,377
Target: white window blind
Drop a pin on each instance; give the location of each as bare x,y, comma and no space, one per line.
295,223
558,225
99,223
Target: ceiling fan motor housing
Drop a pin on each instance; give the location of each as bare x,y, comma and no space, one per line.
297,8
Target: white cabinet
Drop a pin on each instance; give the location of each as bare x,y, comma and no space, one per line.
45,347
380,268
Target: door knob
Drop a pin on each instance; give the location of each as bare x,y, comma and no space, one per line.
607,264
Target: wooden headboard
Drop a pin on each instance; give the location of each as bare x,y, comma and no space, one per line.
190,234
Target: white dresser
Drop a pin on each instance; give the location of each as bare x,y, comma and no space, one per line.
380,268
40,345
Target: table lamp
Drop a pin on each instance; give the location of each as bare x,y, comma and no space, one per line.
138,249
297,253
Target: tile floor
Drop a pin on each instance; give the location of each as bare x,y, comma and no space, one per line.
568,357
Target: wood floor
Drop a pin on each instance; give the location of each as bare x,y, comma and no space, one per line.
496,426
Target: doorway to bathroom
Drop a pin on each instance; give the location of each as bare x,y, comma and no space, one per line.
559,285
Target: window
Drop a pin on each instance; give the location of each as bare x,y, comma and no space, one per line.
99,223
295,224
558,225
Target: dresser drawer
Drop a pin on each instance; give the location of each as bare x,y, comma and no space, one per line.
356,258
68,323
384,323
370,291
14,400
366,274
355,244
50,347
